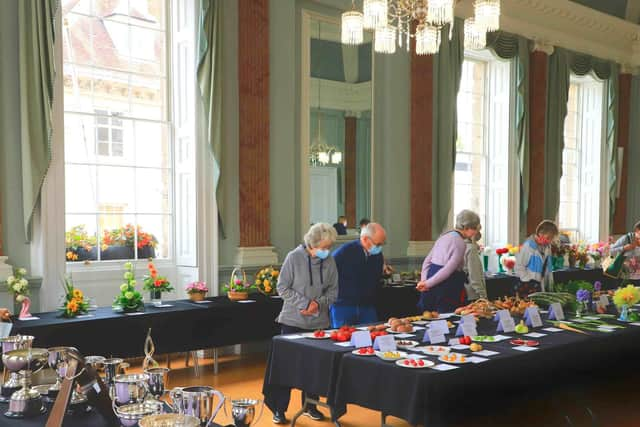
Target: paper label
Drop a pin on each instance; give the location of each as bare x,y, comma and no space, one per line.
486,353
292,337
532,317
343,344
385,343
505,322
5,329
552,329
439,326
467,326
535,335
524,348
556,312
604,301
476,359
444,367
434,337
361,339
454,341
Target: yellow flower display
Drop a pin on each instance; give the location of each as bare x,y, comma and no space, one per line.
72,306
265,279
628,295
77,294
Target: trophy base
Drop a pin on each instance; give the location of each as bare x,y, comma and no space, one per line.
32,413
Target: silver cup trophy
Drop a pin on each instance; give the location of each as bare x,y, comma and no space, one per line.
243,411
157,381
111,368
197,401
25,402
12,383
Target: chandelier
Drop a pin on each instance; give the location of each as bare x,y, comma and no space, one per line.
391,22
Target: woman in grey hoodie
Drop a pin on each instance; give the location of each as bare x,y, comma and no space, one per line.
308,285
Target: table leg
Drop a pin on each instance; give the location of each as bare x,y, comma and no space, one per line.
318,402
196,363
215,361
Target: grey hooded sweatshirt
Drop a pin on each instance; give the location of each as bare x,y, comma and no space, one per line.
303,279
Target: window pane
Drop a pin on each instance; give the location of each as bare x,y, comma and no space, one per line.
158,228
116,189
152,145
80,184
152,189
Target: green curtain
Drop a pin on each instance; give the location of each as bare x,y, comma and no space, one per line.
210,83
363,166
556,112
36,39
560,65
633,152
508,46
447,70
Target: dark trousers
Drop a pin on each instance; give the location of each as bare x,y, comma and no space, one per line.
282,395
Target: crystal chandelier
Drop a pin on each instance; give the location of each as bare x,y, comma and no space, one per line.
391,21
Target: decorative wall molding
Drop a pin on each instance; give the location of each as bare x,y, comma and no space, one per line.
419,248
256,256
569,25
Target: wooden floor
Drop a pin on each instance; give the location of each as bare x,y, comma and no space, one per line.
615,403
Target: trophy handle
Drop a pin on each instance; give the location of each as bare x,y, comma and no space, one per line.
220,403
261,409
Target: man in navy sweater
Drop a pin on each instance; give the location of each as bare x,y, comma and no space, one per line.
359,265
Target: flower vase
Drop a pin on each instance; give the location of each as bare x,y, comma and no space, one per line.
624,313
24,310
197,296
485,262
156,298
500,266
572,261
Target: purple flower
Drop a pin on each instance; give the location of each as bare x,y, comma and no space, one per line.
583,295
597,286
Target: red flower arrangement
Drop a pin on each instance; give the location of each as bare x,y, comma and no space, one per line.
502,251
153,282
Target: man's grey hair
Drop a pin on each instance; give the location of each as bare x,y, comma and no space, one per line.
318,233
467,219
369,230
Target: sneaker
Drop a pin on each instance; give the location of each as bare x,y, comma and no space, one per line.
279,418
314,414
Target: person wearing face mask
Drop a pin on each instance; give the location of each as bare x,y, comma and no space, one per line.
308,285
443,279
341,225
533,261
629,245
360,265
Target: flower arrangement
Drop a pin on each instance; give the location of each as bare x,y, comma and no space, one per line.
583,297
129,299
74,302
196,287
512,249
17,285
502,251
238,288
155,283
266,280
125,236
627,296
508,262
597,251
578,254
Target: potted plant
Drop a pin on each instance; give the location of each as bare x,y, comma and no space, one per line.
156,285
238,288
196,290
74,302
119,243
266,280
80,246
128,299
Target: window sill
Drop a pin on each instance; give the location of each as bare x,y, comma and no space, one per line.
95,271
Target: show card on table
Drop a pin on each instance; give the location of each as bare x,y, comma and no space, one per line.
5,329
439,326
361,339
505,321
556,312
434,337
385,343
467,326
532,317
604,301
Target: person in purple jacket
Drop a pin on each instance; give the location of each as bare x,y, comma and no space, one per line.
442,279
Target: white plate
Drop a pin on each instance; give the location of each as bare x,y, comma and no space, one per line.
401,354
427,364
327,335
409,345
359,354
438,350
398,332
457,361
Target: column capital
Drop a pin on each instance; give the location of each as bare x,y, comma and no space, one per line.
542,46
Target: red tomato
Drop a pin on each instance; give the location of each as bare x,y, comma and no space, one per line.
420,363
342,337
334,336
406,362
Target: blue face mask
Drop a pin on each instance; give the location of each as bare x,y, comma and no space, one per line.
375,250
322,253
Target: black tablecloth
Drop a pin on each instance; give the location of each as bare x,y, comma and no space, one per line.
182,327
437,398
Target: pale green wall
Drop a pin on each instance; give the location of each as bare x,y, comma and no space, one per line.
10,187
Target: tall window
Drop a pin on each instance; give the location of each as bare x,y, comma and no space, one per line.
118,145
481,174
579,212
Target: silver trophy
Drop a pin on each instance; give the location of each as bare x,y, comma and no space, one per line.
197,401
243,411
157,381
130,388
111,369
12,383
25,402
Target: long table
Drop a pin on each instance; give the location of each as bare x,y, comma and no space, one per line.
440,398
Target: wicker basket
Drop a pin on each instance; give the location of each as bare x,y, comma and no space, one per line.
237,296
197,296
